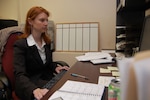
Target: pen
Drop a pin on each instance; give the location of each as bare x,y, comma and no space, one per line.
77,75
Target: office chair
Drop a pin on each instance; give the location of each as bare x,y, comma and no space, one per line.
6,63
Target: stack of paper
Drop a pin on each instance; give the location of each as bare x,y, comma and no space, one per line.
96,57
101,61
105,80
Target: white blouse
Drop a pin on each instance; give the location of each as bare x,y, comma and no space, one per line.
31,42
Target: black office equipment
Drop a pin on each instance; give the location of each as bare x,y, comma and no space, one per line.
4,23
145,35
54,80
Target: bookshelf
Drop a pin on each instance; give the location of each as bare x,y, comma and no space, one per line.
129,22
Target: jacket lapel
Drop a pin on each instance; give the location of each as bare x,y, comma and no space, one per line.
47,52
36,55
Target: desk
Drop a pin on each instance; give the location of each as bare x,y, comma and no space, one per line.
82,68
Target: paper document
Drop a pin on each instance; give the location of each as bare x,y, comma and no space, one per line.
103,70
116,74
112,68
74,90
93,55
105,80
101,61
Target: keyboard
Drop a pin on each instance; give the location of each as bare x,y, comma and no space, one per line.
54,80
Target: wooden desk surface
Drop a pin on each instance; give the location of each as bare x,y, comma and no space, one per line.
83,68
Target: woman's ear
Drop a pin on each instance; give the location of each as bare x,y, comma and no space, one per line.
30,21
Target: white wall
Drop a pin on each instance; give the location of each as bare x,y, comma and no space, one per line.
9,9
102,11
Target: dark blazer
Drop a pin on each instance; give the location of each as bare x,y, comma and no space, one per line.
29,70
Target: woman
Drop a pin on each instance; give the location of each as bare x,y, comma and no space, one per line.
33,66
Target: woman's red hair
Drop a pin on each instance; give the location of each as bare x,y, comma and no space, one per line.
32,14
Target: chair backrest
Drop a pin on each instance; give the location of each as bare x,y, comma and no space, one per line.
7,58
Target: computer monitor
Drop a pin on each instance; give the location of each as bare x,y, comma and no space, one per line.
145,35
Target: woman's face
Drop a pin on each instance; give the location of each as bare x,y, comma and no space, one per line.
39,24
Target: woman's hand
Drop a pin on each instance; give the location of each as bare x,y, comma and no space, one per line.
39,93
59,68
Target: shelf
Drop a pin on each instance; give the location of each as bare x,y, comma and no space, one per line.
130,17
133,5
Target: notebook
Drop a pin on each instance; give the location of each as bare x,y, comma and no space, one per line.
75,90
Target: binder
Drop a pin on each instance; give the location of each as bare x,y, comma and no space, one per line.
135,73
